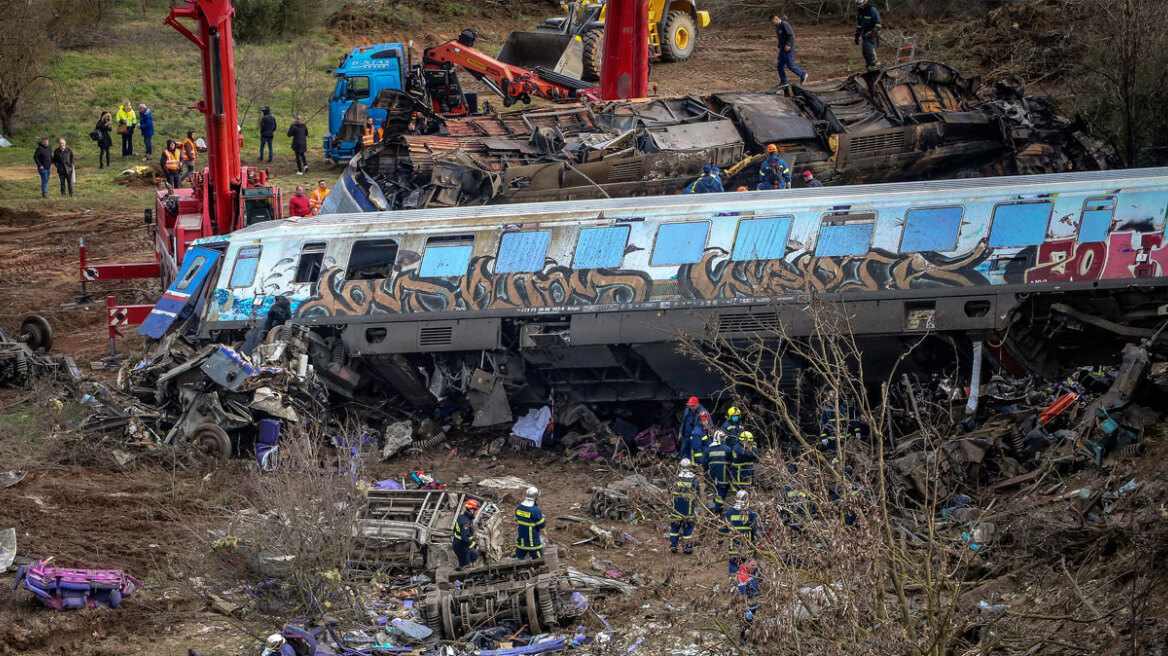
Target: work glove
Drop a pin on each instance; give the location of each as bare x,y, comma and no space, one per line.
857,39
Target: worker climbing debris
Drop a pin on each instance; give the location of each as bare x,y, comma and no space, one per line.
868,32
687,490
464,535
740,530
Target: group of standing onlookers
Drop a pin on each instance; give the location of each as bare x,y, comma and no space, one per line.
61,159
124,123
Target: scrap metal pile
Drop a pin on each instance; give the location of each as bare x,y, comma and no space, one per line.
24,356
914,121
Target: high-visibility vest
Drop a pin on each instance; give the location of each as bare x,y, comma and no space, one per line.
316,199
189,149
370,136
172,160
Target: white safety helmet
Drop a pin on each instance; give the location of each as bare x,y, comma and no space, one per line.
740,499
532,492
686,465
275,641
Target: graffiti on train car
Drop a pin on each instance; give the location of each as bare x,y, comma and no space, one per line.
555,286
1128,254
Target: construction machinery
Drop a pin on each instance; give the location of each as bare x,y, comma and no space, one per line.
673,32
223,197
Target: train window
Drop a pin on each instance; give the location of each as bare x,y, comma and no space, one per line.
521,252
680,243
246,262
600,248
844,233
371,259
931,229
446,256
1020,224
762,239
1095,222
191,274
311,259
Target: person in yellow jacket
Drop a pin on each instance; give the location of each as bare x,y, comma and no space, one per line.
316,198
370,135
127,120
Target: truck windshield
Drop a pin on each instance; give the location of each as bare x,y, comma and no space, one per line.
357,88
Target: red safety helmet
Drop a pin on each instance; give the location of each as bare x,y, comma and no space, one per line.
703,415
771,148
471,504
693,402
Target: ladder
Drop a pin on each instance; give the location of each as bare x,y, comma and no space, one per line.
907,50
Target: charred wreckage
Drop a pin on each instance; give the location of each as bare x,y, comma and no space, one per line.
914,121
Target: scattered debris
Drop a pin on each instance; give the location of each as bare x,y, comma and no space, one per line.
7,548
24,356
12,477
64,589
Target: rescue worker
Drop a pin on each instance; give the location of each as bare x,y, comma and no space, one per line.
774,174
693,446
171,162
316,198
837,421
868,32
741,526
707,183
190,151
370,135
465,546
742,462
809,180
733,424
717,459
742,188
748,587
531,522
786,36
693,408
686,492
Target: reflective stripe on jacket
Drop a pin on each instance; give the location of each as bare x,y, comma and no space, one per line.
531,521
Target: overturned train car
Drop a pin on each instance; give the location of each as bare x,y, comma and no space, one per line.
913,121
586,300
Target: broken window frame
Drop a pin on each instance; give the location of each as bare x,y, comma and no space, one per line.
902,248
619,253
350,270
315,250
737,254
845,220
1012,223
1102,204
446,246
190,273
530,251
674,250
243,254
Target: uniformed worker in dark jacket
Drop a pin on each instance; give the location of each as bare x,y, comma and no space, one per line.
809,180
687,490
741,528
531,522
717,460
708,183
465,546
774,173
742,462
868,32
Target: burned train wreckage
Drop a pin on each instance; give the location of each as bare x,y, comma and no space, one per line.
913,121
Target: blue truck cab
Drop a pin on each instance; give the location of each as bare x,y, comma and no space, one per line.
362,73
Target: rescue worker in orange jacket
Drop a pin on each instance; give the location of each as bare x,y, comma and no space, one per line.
171,162
190,151
370,135
316,198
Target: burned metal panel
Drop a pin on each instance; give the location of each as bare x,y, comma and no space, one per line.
695,136
767,117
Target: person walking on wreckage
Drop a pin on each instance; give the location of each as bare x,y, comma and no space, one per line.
465,545
868,32
687,490
529,543
741,528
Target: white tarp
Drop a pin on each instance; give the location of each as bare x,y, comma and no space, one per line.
532,425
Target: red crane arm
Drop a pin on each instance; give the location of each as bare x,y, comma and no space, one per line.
517,84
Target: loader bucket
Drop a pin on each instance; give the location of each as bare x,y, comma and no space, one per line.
560,53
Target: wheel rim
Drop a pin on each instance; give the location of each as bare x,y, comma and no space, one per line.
681,38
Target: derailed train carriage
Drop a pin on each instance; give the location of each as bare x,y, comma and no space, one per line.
586,300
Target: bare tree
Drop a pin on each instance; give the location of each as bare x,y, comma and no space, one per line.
25,53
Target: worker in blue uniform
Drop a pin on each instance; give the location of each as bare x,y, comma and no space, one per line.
717,462
837,421
868,32
747,582
693,446
741,528
693,408
687,490
774,173
465,545
733,424
531,522
742,462
707,183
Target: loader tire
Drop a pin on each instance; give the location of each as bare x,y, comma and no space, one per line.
681,35
593,53
212,441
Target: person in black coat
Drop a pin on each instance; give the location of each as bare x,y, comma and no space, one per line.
105,125
63,159
267,131
299,133
43,158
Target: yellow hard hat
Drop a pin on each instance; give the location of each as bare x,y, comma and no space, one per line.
747,435
733,411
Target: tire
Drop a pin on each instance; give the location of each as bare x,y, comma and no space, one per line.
212,440
681,35
593,53
37,332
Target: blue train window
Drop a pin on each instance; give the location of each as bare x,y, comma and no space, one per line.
522,251
600,248
246,263
762,239
931,229
1096,220
446,256
680,243
371,259
845,234
1020,224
